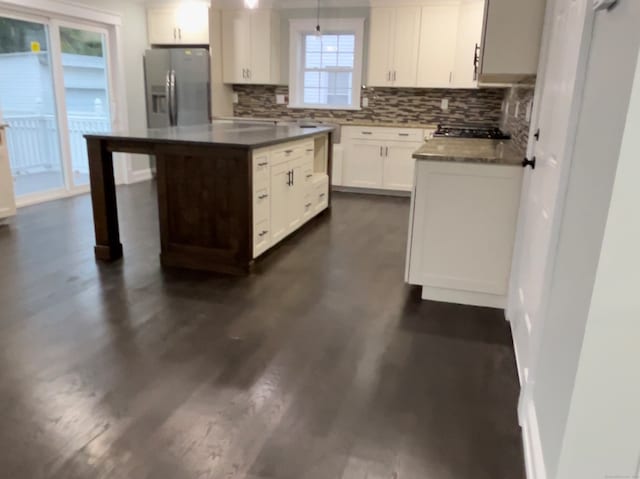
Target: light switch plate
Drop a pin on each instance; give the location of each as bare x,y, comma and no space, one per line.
235,98
603,4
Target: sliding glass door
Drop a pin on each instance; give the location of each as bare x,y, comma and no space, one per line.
54,88
28,106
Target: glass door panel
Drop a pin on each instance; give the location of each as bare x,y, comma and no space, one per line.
28,106
86,89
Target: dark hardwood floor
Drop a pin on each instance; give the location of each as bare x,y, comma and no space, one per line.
323,364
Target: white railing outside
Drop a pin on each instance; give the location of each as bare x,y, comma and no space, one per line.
34,146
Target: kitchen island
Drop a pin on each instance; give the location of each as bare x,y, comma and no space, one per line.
227,191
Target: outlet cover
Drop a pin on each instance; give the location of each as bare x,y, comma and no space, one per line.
281,99
444,104
234,98
365,102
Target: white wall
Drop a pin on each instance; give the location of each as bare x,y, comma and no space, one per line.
603,430
567,366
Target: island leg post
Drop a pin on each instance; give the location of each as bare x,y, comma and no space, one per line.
103,200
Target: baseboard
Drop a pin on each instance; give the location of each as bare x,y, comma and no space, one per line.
469,298
371,191
533,458
137,176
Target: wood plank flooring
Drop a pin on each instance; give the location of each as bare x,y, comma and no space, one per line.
323,364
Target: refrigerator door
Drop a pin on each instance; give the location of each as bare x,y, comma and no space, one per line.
190,74
157,73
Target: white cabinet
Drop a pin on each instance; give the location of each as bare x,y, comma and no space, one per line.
7,200
462,230
290,186
380,158
511,43
183,24
468,44
438,45
251,46
394,39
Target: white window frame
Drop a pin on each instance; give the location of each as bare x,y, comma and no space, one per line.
297,30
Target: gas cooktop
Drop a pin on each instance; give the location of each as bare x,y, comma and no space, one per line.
470,131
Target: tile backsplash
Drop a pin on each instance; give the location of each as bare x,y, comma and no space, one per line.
386,105
516,122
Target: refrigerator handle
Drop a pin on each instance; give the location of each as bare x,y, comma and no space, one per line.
174,98
168,95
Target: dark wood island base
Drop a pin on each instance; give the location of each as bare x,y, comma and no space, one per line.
205,192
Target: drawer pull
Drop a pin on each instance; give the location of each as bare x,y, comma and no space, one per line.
262,197
310,150
263,234
308,205
322,195
263,164
309,176
403,134
367,133
288,152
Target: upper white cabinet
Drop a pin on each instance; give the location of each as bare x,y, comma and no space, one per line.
511,43
468,44
7,202
251,46
438,42
394,40
183,24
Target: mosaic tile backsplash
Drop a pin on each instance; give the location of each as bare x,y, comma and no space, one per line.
386,105
517,126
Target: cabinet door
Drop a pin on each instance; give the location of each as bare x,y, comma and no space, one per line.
469,37
161,25
297,193
260,46
194,24
381,38
236,45
438,37
280,179
399,165
7,202
363,164
405,46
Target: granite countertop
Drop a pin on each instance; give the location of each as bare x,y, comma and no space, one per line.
245,134
456,150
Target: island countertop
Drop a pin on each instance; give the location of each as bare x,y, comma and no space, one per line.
241,134
457,150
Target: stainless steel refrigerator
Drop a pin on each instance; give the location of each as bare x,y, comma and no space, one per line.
177,87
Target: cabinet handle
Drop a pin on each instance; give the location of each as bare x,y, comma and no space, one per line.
403,134
394,75
174,33
389,75
381,150
263,164
476,61
180,33
309,176
248,73
244,73
263,234
366,132
289,178
262,197
310,150
308,205
386,151
322,195
450,77
293,178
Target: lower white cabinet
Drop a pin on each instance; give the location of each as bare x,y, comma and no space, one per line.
380,158
290,186
7,200
462,231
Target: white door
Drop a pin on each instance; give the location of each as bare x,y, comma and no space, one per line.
405,46
363,164
399,165
280,185
563,74
381,46
468,43
437,45
260,64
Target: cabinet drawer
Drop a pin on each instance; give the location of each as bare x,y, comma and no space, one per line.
290,151
261,203
262,238
261,165
383,133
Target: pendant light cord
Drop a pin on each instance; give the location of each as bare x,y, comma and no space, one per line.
318,17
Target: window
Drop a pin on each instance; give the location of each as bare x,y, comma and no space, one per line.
326,69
